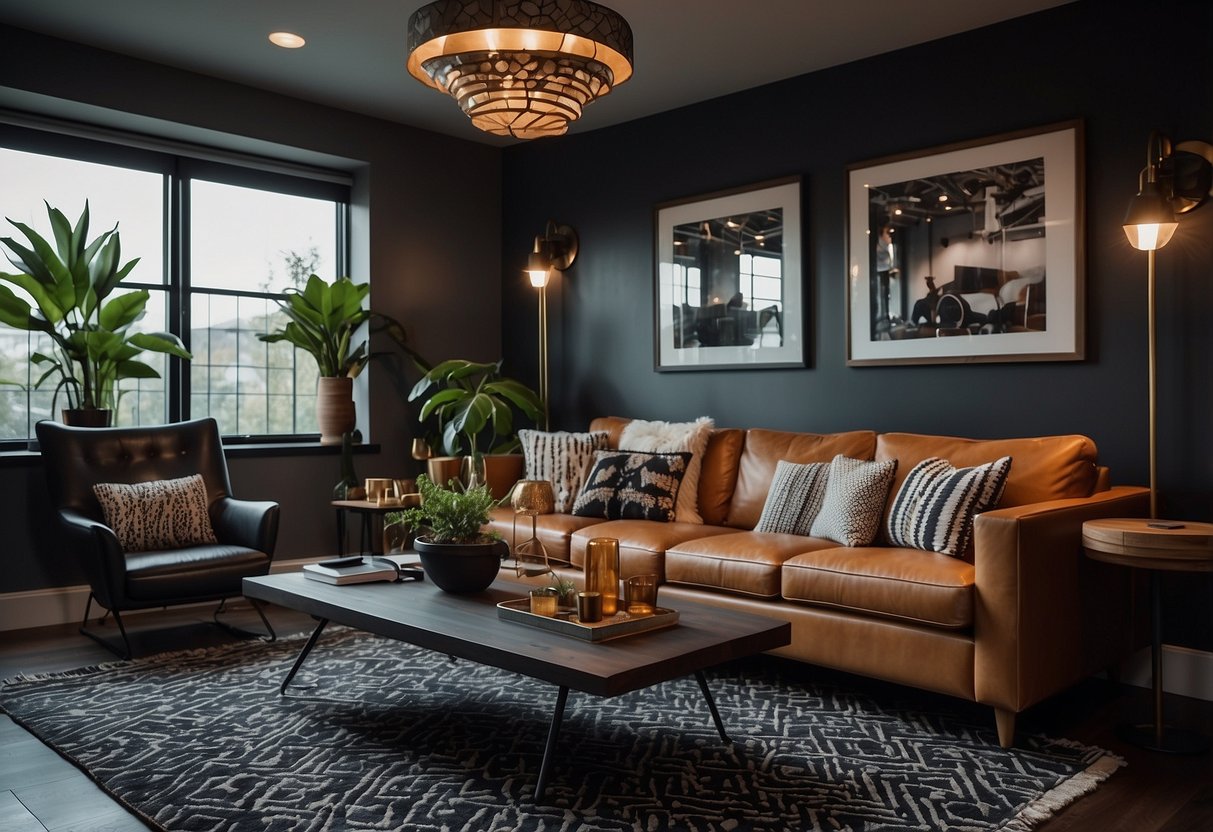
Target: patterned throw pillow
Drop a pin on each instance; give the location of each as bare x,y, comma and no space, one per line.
561,458
674,437
935,507
632,486
795,497
163,514
854,500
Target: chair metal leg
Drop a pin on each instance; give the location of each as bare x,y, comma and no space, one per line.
125,653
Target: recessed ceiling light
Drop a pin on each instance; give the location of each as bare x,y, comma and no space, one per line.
287,40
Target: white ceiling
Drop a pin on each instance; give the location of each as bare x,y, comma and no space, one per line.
685,50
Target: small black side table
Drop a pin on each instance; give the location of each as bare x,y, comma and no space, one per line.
367,510
1157,545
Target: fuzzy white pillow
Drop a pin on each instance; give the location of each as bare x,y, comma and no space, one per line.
674,437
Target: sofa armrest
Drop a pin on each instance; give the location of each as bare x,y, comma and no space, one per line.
1046,616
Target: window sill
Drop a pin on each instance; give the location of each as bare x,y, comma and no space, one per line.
29,459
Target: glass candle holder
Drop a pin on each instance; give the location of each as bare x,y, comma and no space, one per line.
544,603
640,595
589,607
602,571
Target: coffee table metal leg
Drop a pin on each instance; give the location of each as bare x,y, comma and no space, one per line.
550,749
307,648
707,694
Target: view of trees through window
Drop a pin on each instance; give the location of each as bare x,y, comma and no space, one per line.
246,244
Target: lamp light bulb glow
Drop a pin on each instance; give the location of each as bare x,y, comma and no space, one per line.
287,40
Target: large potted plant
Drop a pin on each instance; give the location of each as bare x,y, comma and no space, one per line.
474,406
323,319
455,554
71,284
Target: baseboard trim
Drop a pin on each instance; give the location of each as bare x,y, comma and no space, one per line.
1186,672
65,604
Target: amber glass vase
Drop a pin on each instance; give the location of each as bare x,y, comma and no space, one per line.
602,571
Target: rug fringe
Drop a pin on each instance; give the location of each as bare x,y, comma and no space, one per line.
1062,795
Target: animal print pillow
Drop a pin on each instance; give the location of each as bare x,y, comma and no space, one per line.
632,486
561,458
162,514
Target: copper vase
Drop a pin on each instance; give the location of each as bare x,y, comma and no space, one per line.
602,572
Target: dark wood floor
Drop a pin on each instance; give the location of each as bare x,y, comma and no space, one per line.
40,792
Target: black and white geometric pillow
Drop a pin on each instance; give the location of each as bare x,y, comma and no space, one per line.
632,486
935,508
561,458
854,500
795,497
163,514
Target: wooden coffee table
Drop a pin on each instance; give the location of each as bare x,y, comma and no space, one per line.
467,626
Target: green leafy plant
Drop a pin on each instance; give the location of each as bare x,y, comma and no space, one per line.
70,285
472,403
565,588
449,515
323,319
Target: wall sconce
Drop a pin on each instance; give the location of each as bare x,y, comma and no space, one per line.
1176,179
555,249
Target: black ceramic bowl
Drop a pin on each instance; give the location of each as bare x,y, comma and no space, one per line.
460,567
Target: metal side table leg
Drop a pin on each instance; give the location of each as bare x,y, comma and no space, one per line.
550,749
307,648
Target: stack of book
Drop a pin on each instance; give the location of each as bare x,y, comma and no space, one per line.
360,569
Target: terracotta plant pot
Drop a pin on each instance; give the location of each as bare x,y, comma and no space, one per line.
503,471
334,408
461,567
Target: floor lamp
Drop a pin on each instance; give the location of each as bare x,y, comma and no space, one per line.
1175,180
555,249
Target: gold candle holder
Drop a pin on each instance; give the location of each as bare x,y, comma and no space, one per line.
640,594
602,571
544,602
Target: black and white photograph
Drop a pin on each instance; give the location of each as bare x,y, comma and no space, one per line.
967,254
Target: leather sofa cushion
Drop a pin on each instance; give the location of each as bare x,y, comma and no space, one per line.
553,530
746,563
215,569
1042,468
907,584
718,475
642,543
763,450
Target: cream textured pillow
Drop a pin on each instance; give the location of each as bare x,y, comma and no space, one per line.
162,514
561,458
674,437
854,501
795,497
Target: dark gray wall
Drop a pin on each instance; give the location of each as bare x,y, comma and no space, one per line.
1082,61
427,214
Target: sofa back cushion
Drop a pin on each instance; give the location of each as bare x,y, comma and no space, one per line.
718,474
1042,468
762,452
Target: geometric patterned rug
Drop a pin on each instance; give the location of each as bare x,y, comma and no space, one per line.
394,737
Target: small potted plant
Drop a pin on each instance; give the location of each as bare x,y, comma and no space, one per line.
70,285
455,554
474,405
322,321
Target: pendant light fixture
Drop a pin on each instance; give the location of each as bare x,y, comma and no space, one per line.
521,68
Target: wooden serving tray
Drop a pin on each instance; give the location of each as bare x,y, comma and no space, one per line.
615,626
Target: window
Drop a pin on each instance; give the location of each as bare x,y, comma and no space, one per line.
217,243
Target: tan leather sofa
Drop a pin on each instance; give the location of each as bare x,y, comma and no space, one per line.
1021,617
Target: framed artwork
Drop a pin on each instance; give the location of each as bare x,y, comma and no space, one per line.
728,292
968,253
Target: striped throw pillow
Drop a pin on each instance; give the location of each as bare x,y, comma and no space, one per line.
163,514
935,507
561,458
795,497
854,500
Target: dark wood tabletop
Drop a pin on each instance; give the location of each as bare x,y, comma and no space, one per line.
467,626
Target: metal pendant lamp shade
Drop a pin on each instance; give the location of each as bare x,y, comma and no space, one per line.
521,68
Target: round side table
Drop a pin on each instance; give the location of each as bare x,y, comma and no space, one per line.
1156,545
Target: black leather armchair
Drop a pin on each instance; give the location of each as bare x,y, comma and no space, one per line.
77,458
